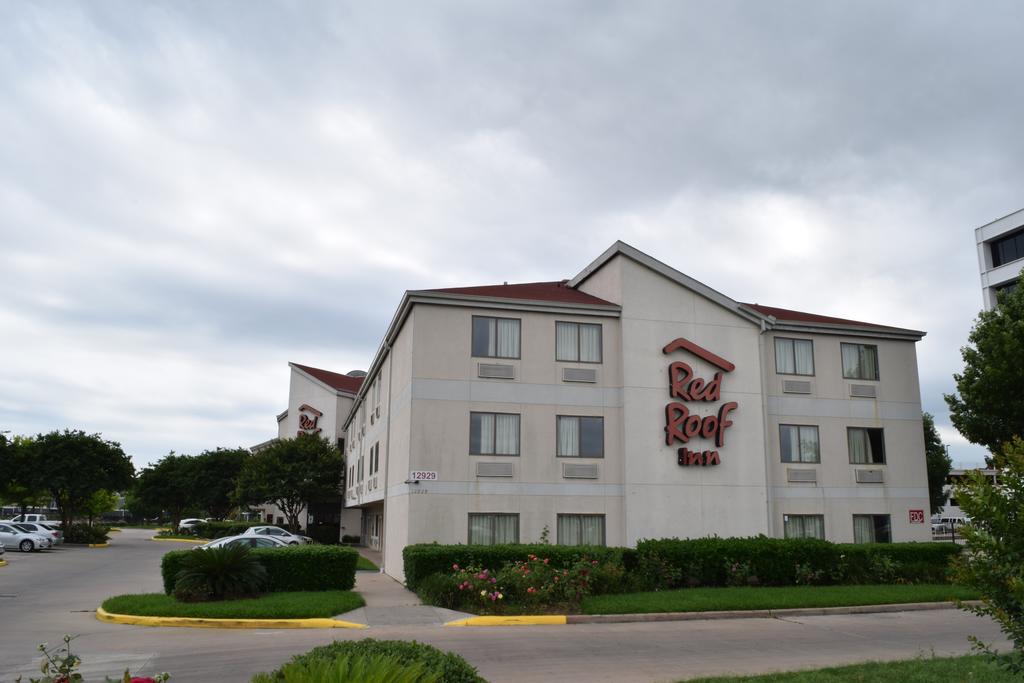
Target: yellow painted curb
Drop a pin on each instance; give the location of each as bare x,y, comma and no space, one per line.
526,620
3,563
195,622
114,530
99,545
181,540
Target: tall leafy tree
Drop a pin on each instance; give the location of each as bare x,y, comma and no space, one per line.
216,479
290,473
995,545
169,485
988,406
22,480
74,465
938,463
100,503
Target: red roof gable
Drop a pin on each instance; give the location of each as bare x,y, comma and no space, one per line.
333,379
533,291
800,316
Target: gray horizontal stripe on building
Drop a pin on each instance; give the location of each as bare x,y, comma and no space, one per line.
516,392
859,409
866,491
469,488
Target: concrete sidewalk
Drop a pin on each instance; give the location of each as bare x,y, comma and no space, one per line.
389,603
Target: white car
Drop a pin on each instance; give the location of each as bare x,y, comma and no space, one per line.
278,533
247,541
26,542
34,518
55,535
189,522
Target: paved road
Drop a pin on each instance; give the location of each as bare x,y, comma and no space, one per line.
48,595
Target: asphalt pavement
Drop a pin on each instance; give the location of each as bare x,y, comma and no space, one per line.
46,595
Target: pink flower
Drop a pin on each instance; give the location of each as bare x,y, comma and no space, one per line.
455,567
141,679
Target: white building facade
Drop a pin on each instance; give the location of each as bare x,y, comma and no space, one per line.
632,402
1000,250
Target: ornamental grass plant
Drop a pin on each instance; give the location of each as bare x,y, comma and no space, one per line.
219,574
361,668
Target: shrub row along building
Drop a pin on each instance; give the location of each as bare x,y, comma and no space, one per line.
629,402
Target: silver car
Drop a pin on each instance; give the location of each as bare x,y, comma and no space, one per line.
247,541
278,533
25,541
55,535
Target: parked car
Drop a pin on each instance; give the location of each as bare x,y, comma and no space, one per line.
189,522
248,541
2,551
278,533
25,541
55,535
34,518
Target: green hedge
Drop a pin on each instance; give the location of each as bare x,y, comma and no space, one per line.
422,560
222,529
705,561
297,568
80,532
449,667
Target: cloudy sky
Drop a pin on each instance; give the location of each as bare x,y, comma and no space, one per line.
193,194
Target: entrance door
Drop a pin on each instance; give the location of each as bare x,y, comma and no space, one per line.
376,527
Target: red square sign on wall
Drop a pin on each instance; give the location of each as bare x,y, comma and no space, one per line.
917,516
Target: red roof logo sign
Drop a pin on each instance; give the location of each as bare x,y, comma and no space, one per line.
683,384
308,419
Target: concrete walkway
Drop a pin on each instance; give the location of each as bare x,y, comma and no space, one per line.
389,603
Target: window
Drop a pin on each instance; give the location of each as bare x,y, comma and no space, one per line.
580,437
860,361
1009,248
579,342
580,529
867,445
799,443
493,434
1007,289
359,468
495,337
794,356
375,459
493,528
804,526
872,529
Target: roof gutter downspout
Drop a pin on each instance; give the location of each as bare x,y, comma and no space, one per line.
768,502
387,464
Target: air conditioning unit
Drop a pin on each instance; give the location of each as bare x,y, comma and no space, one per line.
579,375
870,477
803,476
573,470
863,391
495,469
796,386
496,371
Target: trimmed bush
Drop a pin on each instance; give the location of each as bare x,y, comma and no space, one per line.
296,568
783,562
449,667
375,669
425,559
80,532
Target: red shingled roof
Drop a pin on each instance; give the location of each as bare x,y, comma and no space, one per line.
533,291
800,316
333,379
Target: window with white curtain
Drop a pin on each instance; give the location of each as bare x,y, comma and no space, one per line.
799,443
578,342
495,337
580,530
804,526
860,361
867,445
491,528
794,356
580,436
493,434
872,529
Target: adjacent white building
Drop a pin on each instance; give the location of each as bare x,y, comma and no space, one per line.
1000,253
632,402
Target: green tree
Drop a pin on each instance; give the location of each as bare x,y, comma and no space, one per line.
74,465
216,479
290,473
937,461
169,486
22,483
100,503
988,406
995,545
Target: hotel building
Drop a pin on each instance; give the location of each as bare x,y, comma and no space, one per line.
1000,250
631,402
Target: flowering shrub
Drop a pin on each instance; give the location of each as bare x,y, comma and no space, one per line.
531,583
478,585
804,574
739,574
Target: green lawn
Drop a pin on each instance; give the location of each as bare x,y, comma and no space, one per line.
969,668
710,599
295,605
364,563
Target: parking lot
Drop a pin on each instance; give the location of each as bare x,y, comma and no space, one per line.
46,595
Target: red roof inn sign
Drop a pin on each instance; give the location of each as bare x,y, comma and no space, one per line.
680,424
